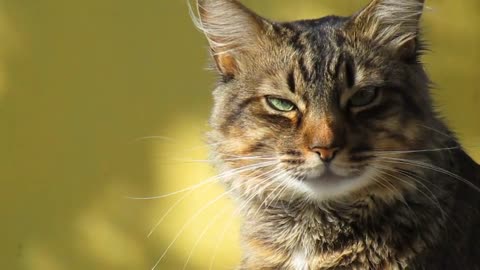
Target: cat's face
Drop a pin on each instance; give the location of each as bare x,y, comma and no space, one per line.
304,108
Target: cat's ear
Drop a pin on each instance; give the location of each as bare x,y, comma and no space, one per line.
392,23
231,29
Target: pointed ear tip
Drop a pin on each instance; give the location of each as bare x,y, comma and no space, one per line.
205,5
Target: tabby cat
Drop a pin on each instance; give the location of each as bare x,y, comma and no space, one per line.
334,152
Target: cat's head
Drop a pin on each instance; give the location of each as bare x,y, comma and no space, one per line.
304,108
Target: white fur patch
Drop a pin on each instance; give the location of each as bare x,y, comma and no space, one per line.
299,261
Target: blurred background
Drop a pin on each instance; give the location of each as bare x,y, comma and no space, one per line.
101,100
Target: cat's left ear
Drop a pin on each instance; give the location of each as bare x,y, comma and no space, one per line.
392,23
232,31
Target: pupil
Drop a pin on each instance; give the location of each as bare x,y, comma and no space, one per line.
365,96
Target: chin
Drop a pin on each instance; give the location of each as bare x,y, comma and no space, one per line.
331,186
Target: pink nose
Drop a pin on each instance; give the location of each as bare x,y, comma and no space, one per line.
326,154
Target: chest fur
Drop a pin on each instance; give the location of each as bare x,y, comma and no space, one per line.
313,239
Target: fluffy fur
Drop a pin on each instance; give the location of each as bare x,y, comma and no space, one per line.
399,193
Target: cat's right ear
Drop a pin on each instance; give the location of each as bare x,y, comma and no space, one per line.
232,31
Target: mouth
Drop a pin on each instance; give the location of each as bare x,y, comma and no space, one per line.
327,183
329,177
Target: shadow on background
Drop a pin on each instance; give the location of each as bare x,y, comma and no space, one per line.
100,100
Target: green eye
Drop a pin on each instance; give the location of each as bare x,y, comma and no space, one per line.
279,104
364,97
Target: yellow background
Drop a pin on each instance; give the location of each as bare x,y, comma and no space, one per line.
86,85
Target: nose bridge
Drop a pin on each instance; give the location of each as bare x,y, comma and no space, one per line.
324,130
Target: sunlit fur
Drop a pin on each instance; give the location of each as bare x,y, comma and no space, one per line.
389,195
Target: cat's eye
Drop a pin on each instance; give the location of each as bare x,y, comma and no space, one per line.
364,97
281,104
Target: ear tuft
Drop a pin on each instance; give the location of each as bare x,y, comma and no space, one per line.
393,23
231,30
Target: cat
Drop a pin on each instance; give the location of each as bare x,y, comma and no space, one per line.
332,147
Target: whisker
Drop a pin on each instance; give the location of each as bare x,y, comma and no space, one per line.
476,145
260,188
152,230
220,239
385,180
163,138
251,158
271,193
202,234
242,157
433,199
208,180
279,193
185,225
230,221
294,190
192,218
226,159
437,131
170,209
431,167
239,209
381,152
432,196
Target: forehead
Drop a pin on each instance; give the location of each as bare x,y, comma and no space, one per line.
321,55
316,54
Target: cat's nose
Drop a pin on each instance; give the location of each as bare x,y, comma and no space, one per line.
326,154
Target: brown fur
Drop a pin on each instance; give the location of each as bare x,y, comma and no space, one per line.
398,193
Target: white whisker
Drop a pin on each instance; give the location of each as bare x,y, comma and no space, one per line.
381,152
170,209
185,225
221,237
209,180
284,187
163,138
239,209
437,131
431,167
152,230
207,227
